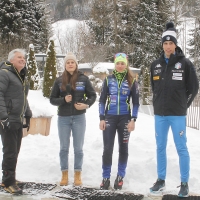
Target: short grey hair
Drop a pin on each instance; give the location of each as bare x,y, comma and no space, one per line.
12,53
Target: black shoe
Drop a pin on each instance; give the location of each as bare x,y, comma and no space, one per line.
158,186
118,183
13,189
184,191
105,184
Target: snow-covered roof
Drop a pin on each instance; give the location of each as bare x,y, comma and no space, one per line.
103,67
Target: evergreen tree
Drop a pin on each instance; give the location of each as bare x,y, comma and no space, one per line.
33,75
111,22
194,42
38,23
22,23
164,16
100,20
147,41
11,25
50,70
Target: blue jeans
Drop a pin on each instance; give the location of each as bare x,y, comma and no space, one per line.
77,125
178,126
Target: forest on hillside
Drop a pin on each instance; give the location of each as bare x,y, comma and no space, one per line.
66,9
80,9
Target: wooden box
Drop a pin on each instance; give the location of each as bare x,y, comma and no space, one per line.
40,125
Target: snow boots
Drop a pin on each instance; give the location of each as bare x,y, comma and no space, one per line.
77,178
64,180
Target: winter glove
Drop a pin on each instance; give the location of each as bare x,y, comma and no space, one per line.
5,124
27,125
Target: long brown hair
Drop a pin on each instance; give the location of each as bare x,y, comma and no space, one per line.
130,77
67,78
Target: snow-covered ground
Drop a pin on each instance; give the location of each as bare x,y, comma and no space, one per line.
39,156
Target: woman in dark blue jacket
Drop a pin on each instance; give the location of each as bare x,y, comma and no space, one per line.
118,90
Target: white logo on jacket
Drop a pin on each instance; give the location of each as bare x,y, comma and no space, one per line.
178,65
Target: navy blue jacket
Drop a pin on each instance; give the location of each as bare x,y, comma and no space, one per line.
174,85
115,100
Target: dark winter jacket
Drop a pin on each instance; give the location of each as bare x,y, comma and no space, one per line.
84,93
115,99
174,84
13,93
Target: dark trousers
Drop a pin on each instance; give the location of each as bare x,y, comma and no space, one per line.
115,123
11,140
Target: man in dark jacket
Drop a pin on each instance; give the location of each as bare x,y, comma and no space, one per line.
174,85
13,108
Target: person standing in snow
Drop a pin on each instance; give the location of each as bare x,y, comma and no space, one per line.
73,93
174,84
13,107
115,115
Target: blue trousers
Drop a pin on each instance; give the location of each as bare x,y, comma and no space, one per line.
115,123
178,126
77,125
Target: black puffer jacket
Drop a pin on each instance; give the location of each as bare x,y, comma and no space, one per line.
84,93
13,94
174,84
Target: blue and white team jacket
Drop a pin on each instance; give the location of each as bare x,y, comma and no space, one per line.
115,99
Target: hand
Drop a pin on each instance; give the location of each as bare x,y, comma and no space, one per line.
131,126
5,124
102,125
68,98
80,106
27,125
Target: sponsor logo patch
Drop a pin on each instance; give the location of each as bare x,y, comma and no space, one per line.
157,71
178,78
158,66
178,65
156,78
177,74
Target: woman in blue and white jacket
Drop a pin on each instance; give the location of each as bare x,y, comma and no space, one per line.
115,115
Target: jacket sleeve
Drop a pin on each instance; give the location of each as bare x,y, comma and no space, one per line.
103,99
28,112
55,98
192,83
151,77
4,81
90,93
135,99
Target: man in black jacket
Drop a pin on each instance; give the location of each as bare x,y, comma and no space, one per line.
13,108
174,84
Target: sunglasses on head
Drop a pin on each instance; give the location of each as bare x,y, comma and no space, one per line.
121,54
